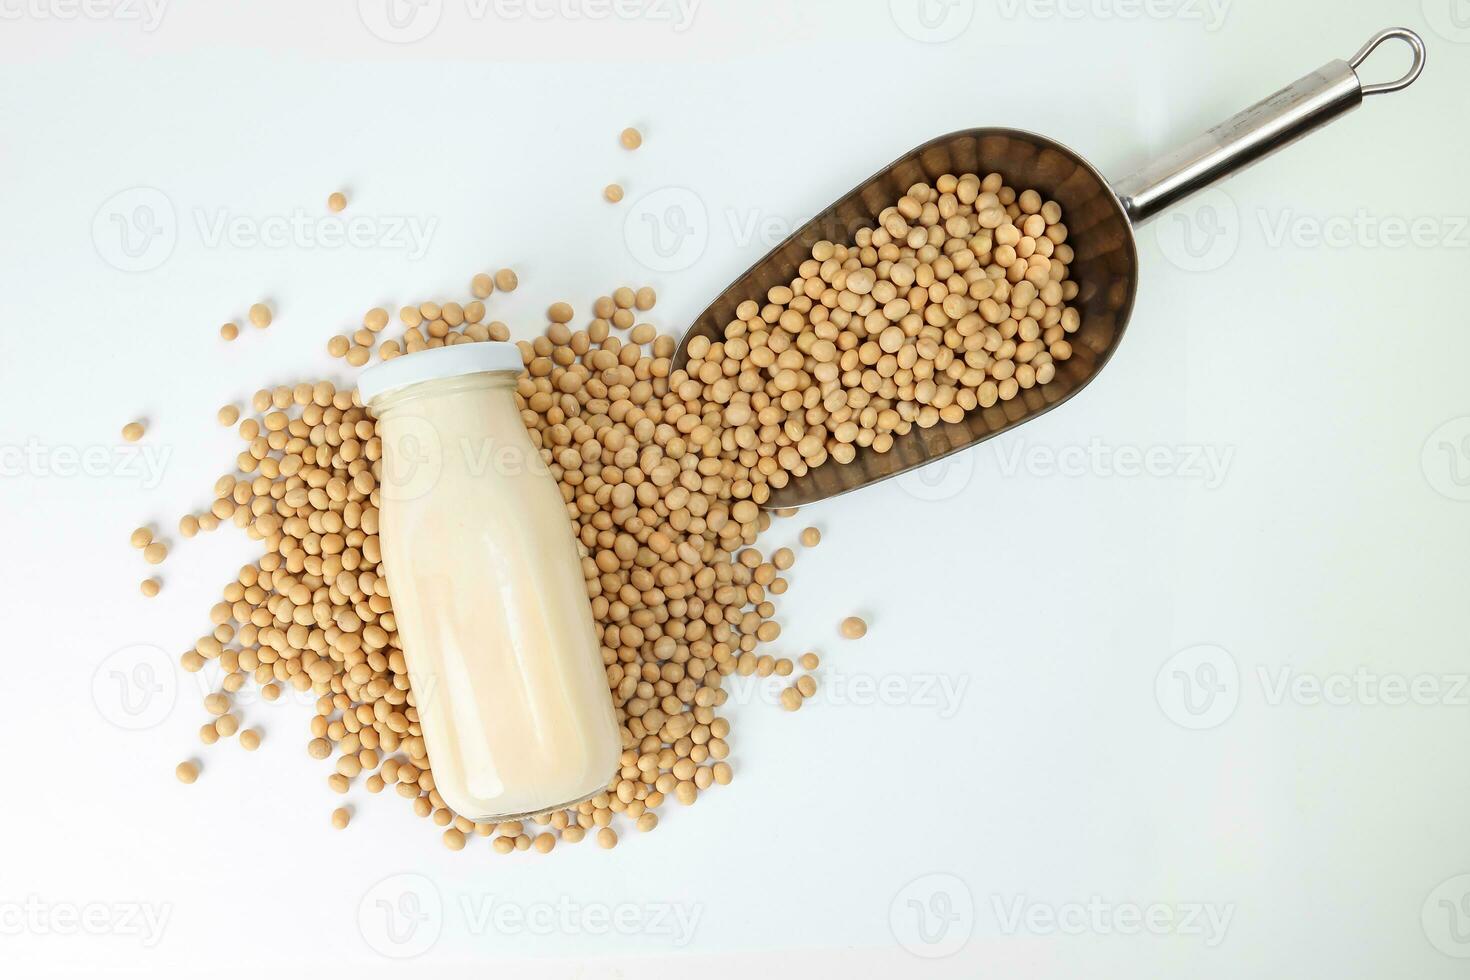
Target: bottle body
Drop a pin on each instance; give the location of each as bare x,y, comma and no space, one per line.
490,603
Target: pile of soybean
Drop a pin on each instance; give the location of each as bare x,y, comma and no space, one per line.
955,300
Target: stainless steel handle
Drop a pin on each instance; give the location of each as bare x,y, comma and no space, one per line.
1255,133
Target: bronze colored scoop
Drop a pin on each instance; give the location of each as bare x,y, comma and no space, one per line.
1100,219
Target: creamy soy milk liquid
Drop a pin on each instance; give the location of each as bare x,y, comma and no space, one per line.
487,589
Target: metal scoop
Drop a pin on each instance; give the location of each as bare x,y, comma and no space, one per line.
1100,219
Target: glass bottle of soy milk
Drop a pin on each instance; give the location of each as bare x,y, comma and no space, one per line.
487,589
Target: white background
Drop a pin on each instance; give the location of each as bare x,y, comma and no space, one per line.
1305,513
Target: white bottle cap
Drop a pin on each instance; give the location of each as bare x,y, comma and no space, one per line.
441,362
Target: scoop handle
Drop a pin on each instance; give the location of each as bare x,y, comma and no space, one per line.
1255,133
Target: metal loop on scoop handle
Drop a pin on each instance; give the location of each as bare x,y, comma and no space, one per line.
1279,119
1413,40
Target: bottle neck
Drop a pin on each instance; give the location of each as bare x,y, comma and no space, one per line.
390,401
